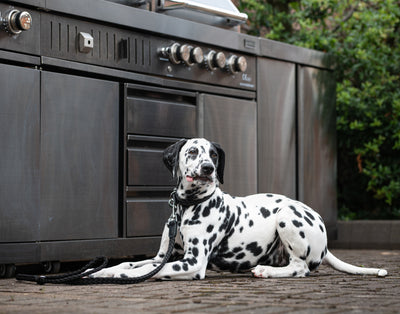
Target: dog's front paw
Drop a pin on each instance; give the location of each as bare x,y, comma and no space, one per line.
260,271
105,273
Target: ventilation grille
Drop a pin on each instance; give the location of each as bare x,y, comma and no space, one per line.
111,47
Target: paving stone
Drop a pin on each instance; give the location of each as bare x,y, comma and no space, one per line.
325,291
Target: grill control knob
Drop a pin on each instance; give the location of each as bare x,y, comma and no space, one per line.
214,60
16,21
196,56
177,53
236,64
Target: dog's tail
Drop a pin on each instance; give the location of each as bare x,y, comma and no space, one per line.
339,265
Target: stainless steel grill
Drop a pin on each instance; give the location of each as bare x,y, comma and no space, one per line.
93,91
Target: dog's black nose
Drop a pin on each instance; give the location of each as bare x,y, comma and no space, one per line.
207,169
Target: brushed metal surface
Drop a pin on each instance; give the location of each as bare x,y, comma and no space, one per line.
19,154
317,142
79,157
146,168
159,117
146,217
233,124
276,127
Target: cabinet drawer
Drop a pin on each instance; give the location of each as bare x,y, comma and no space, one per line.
146,217
156,117
145,167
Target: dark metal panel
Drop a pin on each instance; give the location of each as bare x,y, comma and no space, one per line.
142,78
19,153
282,51
88,249
146,217
79,164
317,142
145,167
152,116
18,57
28,41
233,124
276,127
15,253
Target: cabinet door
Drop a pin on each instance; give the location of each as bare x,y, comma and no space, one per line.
277,127
233,124
317,142
19,153
79,157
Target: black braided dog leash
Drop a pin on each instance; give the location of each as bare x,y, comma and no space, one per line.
80,277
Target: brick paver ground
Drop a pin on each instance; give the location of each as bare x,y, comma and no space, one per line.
325,291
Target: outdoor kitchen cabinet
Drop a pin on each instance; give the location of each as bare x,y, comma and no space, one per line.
19,153
79,157
59,144
296,128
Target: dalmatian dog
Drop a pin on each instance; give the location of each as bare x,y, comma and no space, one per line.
268,234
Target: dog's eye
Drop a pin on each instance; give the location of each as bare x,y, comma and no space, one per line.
193,151
213,155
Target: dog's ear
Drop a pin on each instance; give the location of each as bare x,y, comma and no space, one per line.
220,163
171,156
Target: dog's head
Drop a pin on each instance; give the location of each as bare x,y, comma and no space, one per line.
196,161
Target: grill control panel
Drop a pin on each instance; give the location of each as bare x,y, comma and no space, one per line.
189,56
145,53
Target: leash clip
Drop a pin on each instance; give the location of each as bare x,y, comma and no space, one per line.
172,204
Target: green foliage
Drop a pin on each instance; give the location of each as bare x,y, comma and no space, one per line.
364,37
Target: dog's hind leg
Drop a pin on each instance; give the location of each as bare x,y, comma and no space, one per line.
296,268
303,240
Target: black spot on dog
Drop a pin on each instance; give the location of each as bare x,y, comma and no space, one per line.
313,265
322,229
302,234
195,241
308,221
309,215
244,266
237,249
278,200
176,267
212,239
282,224
210,228
123,276
308,251
206,211
195,251
270,195
298,214
297,223
241,229
275,210
240,255
205,242
197,277
294,274
265,212
254,248
244,205
185,267
177,246
251,223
